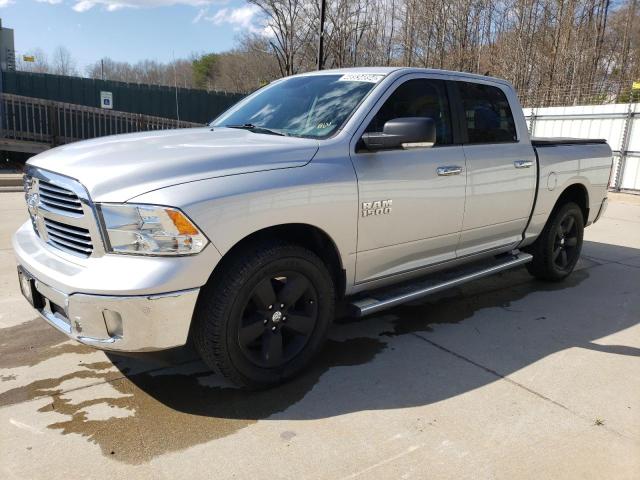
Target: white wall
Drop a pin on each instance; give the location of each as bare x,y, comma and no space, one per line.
596,121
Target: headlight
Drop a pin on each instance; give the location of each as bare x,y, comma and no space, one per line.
150,230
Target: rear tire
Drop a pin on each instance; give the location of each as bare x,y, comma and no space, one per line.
557,249
264,314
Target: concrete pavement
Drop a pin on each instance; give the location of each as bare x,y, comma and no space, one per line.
10,182
506,377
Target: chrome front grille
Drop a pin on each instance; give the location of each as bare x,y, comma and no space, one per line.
60,212
59,198
73,239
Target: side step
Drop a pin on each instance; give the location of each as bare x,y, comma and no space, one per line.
392,296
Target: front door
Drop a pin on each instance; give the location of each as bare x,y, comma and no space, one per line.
410,216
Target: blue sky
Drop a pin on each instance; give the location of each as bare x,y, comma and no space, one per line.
128,30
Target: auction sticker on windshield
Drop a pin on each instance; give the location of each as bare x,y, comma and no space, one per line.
361,77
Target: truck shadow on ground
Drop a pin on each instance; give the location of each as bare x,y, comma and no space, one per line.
399,359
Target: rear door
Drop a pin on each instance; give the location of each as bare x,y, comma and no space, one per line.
501,167
410,216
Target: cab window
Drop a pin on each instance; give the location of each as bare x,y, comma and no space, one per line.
487,114
417,98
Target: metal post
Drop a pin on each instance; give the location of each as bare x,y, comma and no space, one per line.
532,121
321,36
1,104
175,84
52,120
624,147
1,75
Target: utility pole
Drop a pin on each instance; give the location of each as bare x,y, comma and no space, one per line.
321,36
2,46
175,84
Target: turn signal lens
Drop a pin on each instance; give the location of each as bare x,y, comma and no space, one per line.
182,223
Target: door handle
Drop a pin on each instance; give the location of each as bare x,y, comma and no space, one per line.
522,163
449,170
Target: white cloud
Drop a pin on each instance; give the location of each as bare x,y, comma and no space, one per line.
5,3
242,18
83,6
201,14
113,5
50,2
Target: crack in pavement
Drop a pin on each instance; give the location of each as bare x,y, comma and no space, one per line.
603,261
517,384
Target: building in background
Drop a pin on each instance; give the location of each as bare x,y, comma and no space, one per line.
7,49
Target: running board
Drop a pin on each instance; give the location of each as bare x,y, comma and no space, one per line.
392,296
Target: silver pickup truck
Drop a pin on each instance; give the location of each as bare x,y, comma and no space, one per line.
363,187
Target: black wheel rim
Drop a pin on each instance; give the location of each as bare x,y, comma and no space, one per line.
565,244
278,319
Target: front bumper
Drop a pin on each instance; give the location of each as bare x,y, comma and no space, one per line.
115,302
124,323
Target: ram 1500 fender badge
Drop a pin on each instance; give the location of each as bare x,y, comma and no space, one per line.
379,207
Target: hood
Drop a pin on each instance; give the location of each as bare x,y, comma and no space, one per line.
120,167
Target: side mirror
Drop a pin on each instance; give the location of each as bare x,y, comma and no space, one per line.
406,132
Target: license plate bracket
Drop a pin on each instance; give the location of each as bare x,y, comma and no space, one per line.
28,289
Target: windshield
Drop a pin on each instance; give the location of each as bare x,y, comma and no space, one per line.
313,106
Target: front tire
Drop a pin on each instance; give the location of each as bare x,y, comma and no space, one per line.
264,314
557,249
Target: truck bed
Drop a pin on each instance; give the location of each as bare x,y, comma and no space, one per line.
563,162
553,141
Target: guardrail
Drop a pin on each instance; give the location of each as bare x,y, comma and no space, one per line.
33,125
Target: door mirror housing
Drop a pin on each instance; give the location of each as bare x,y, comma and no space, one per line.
405,132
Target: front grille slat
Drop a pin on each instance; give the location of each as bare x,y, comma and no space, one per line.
70,237
55,189
81,234
69,242
84,242
59,198
72,249
65,229
58,204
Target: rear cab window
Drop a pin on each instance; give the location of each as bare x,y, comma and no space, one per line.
487,114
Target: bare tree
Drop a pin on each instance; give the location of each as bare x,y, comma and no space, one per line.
553,51
287,22
178,72
62,63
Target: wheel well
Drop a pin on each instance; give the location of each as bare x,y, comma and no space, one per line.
306,236
576,193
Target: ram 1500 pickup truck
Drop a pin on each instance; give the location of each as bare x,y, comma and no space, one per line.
363,187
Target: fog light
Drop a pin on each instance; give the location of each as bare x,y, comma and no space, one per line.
25,286
113,322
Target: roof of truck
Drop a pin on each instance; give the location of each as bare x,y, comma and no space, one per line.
388,70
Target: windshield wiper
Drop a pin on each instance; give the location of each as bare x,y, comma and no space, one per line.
255,129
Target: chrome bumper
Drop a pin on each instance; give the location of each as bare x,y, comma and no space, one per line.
127,323
115,302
